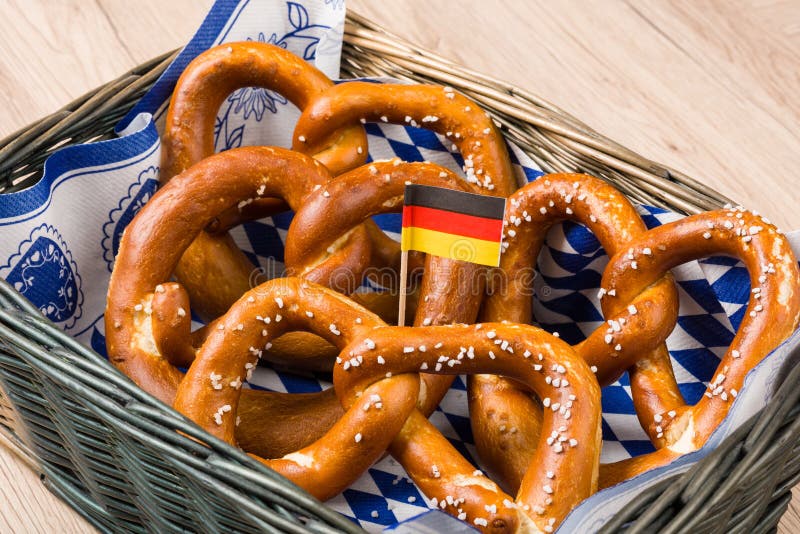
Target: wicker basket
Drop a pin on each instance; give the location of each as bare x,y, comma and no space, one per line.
113,453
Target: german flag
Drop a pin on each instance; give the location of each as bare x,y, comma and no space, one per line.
453,224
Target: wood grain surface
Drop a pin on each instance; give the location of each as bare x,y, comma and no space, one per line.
708,87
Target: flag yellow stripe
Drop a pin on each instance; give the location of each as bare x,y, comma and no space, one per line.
451,246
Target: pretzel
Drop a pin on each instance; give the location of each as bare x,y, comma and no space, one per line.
330,464
437,108
189,137
642,319
563,470
772,314
145,315
450,291
497,404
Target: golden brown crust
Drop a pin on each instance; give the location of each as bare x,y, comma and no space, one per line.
499,434
437,108
643,309
487,165
563,470
434,107
531,212
449,292
213,285
305,351
213,269
290,428
387,379
210,393
301,351
614,473
155,239
772,314
216,73
171,324
197,196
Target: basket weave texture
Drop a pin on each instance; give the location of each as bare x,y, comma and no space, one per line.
126,462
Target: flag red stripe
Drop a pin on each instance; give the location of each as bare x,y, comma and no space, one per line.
452,223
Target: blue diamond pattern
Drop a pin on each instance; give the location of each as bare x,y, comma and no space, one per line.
706,329
364,504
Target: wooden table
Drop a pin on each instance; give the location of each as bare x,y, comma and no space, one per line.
707,87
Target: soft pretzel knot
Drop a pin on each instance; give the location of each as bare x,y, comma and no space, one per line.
147,319
210,393
451,291
641,308
633,330
563,470
772,314
437,108
189,137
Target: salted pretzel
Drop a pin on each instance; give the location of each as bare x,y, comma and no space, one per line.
641,319
450,291
213,270
335,460
148,320
772,314
563,470
436,108
497,404
440,109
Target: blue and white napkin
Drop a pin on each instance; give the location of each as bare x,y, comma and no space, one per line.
58,240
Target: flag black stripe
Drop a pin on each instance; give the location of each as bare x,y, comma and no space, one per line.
456,201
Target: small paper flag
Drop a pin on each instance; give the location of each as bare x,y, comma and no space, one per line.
453,224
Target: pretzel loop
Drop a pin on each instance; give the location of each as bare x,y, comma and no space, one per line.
210,393
188,137
497,404
564,468
210,79
436,108
141,320
772,314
